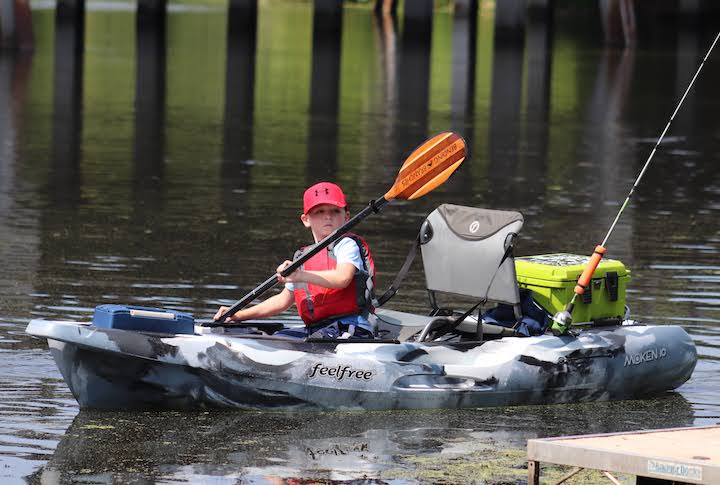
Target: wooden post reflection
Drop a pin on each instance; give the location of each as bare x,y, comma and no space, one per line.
462,100
16,31
618,21
239,101
19,248
67,101
462,103
506,96
688,56
414,76
386,7
510,19
539,48
7,136
324,91
603,140
385,33
150,79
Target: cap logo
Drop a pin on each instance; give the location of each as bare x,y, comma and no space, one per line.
317,192
474,226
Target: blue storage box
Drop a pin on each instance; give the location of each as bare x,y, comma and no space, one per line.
126,317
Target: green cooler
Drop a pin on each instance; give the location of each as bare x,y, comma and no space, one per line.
552,279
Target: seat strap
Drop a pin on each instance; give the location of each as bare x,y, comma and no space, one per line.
393,289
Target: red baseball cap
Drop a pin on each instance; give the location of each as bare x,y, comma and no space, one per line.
323,193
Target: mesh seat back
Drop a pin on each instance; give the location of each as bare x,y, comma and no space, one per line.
462,249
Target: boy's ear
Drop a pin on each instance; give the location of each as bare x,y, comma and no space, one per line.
305,220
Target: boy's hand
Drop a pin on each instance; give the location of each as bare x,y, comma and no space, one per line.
294,277
219,313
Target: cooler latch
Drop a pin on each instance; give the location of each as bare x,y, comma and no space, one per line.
587,294
611,283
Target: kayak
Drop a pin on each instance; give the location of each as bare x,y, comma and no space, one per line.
124,369
132,357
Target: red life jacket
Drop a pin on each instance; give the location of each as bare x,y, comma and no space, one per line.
316,303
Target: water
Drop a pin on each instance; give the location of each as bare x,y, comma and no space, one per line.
182,190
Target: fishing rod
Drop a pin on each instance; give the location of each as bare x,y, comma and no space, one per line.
563,319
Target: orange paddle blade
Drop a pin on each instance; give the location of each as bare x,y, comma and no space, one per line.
428,166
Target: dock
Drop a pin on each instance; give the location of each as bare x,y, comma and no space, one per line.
678,455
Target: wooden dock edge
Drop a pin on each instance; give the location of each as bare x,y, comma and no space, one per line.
688,455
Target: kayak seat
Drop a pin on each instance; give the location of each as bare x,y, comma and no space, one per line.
466,252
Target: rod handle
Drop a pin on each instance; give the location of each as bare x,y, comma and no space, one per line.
586,276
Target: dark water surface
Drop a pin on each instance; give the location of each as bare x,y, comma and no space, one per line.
181,188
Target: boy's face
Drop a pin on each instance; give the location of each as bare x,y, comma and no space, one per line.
323,219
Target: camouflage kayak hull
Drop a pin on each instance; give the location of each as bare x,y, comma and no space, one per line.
120,369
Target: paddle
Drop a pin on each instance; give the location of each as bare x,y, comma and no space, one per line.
427,167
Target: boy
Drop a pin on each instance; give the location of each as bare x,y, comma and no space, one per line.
333,290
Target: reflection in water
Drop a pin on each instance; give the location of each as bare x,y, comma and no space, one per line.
239,99
35,410
463,80
150,80
322,163
689,50
505,116
67,102
238,129
18,231
608,160
331,446
539,52
464,54
413,89
7,133
181,226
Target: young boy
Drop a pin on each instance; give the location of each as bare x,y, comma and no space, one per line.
333,290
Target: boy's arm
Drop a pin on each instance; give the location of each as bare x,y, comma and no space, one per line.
340,277
272,306
348,261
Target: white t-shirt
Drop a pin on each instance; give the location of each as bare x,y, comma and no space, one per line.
346,250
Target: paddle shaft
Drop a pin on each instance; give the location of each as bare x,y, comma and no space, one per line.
373,207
